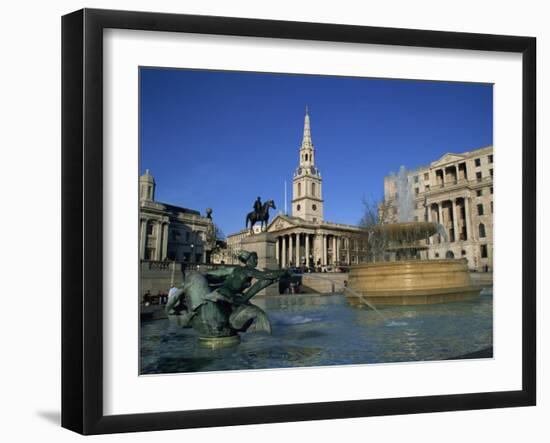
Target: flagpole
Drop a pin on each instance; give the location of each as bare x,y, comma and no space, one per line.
286,211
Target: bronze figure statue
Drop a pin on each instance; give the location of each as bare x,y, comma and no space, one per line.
217,303
260,214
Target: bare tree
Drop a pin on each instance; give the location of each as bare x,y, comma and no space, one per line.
215,236
375,213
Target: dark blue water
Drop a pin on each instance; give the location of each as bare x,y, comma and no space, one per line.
326,330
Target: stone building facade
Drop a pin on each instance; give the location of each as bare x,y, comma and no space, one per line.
170,232
458,192
233,246
304,238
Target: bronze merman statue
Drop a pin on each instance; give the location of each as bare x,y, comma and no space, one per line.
217,303
260,213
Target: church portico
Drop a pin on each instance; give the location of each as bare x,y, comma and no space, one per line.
315,245
303,238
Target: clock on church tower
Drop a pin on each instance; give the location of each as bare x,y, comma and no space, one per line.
307,197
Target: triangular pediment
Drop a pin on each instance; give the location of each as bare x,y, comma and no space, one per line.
280,223
448,158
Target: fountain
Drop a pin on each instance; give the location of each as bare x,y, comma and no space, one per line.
403,276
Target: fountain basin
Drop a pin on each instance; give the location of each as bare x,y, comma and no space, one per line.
411,282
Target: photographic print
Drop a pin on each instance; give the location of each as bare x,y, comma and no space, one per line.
291,221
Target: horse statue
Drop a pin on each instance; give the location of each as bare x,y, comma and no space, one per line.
261,216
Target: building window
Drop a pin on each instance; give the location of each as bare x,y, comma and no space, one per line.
479,193
478,162
298,207
491,189
427,188
426,176
483,249
491,172
480,209
463,252
437,255
149,228
306,157
416,218
490,158
491,207
481,230
416,191
313,189
478,176
416,178
299,189
314,207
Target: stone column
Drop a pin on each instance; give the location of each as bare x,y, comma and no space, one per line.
334,250
469,231
298,263
455,220
164,242
142,238
290,249
307,248
325,240
283,252
348,246
440,217
277,245
430,239
158,241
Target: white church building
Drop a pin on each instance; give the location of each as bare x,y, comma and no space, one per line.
305,237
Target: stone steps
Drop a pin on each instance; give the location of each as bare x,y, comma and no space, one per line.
324,282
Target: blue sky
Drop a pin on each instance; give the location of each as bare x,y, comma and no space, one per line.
219,139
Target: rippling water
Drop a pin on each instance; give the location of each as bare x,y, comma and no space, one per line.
325,330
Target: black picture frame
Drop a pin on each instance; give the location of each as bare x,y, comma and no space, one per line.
82,218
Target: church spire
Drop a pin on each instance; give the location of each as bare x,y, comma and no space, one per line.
307,198
306,140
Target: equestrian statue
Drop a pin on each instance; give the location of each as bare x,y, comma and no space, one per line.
259,214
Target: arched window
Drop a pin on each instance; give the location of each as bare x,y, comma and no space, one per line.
481,230
449,254
306,157
299,189
313,189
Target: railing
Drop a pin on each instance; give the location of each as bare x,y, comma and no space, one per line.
182,266
156,264
203,266
452,183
